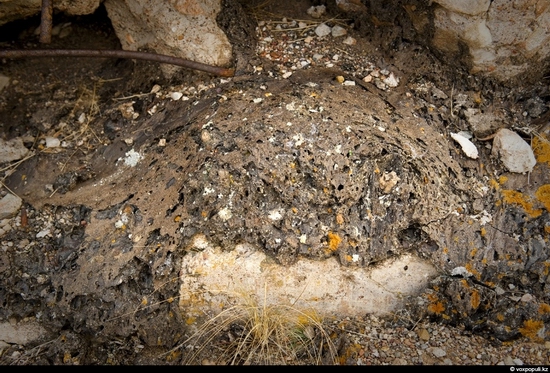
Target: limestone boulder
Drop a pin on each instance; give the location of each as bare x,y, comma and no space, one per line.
503,39
184,28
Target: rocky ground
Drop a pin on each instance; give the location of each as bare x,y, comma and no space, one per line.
122,168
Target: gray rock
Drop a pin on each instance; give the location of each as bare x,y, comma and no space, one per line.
9,205
12,150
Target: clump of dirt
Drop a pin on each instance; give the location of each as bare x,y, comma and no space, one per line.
317,163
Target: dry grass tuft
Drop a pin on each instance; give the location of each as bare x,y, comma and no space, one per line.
252,332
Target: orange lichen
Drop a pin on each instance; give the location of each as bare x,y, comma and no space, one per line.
436,308
514,197
541,148
494,184
544,308
543,195
333,241
531,328
500,317
473,252
472,270
483,232
475,299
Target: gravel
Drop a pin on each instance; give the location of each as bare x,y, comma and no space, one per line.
374,342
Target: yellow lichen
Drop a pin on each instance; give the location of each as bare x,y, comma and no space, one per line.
475,299
531,328
483,232
514,197
541,148
543,195
500,317
472,270
436,308
333,241
544,308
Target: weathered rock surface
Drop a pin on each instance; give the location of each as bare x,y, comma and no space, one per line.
184,29
498,38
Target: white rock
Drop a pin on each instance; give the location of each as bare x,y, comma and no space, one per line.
52,142
350,41
338,31
461,271
391,81
176,95
516,155
132,158
317,11
43,233
438,352
467,146
322,30
225,274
